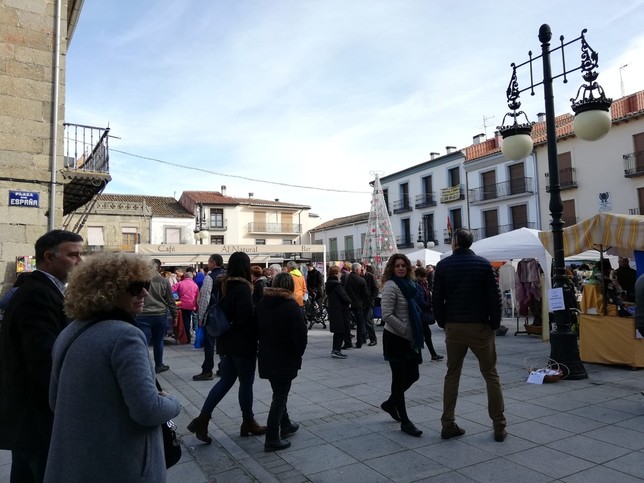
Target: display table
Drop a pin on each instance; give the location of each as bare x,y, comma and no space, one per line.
610,340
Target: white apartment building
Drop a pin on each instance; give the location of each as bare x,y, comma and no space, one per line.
343,237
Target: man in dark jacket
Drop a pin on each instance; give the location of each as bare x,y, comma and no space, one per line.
356,288
31,324
467,304
314,282
215,270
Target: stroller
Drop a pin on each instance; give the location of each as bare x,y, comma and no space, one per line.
315,311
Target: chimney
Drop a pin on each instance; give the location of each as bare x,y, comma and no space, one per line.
277,200
497,139
434,155
541,117
478,139
223,190
450,149
250,195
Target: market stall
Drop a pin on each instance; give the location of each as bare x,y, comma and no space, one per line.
604,338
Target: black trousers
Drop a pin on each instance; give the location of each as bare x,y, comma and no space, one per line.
277,414
403,375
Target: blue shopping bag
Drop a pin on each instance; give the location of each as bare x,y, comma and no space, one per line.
199,336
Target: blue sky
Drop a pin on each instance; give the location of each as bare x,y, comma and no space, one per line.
317,93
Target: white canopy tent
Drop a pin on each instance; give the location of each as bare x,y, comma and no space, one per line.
513,245
427,256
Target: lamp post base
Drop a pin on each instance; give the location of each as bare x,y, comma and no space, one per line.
564,350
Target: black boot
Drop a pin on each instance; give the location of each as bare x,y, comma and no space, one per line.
273,441
287,426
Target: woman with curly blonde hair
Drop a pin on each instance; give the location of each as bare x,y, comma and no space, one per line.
102,390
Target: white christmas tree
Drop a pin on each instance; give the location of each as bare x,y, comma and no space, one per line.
380,242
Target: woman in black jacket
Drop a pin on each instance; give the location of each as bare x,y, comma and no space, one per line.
282,341
338,302
237,348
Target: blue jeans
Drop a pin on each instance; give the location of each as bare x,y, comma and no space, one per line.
231,368
153,326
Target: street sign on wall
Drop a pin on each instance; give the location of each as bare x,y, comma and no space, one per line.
30,199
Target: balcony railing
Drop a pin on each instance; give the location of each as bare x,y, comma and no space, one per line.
501,190
453,193
425,200
350,255
634,211
402,206
218,226
634,164
85,164
567,179
487,232
403,241
275,228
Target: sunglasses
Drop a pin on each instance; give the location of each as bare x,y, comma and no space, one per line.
135,288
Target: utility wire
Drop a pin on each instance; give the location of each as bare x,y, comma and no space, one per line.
176,165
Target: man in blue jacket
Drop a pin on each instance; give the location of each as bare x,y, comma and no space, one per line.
467,304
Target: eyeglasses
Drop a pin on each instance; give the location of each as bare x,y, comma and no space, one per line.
135,288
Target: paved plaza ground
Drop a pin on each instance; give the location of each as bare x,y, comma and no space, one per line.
570,431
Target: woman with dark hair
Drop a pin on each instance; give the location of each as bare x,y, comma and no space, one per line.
260,282
103,394
402,338
282,341
338,302
237,348
426,311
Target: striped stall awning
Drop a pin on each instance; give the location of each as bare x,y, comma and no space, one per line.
624,233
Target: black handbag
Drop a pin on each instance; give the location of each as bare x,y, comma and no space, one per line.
171,443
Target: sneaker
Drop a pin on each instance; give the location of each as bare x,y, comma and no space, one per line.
452,431
204,376
161,368
338,355
372,343
437,358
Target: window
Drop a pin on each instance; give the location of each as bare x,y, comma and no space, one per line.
517,178
95,238
406,232
457,219
428,228
216,240
260,241
454,176
519,216
287,242
172,235
333,248
363,239
569,215
638,142
404,195
489,185
348,247
491,221
385,193
216,218
129,238
427,185
564,161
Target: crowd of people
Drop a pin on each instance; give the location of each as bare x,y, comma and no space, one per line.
76,373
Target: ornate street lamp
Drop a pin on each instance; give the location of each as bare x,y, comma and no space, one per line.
420,243
592,122
200,231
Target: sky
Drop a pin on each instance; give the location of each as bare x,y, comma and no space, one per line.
305,100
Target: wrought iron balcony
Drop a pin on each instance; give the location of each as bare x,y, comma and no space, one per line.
402,206
453,193
274,228
425,200
221,225
404,241
487,232
634,211
86,164
634,164
349,254
567,179
501,190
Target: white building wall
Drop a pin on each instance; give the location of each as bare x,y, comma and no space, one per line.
158,226
599,168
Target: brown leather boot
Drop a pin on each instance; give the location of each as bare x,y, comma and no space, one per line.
250,426
199,426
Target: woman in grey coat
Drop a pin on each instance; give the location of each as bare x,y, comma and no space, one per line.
107,409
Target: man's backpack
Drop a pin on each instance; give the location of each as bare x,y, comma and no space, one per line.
216,321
